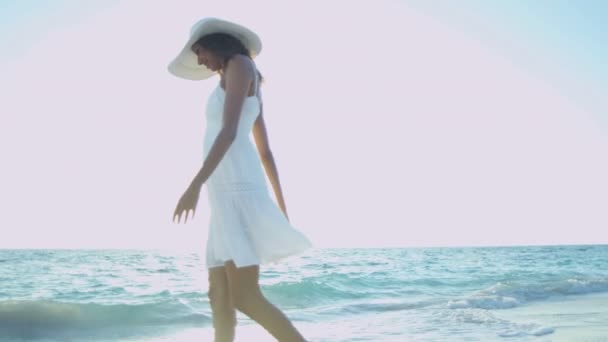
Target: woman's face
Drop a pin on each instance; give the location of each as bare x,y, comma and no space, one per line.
207,58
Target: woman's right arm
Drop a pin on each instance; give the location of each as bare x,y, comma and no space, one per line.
261,140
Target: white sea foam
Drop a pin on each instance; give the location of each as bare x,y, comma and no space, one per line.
512,294
484,302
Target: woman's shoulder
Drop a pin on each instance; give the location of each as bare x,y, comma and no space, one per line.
242,63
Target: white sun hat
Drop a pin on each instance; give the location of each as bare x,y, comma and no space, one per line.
185,65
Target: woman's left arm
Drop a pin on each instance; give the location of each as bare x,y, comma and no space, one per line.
239,75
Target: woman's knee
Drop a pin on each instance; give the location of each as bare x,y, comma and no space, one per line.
242,298
217,294
219,291
245,294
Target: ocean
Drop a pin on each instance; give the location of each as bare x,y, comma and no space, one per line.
527,293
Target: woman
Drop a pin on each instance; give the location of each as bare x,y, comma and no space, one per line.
247,228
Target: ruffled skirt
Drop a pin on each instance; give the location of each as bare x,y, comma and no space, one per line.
247,227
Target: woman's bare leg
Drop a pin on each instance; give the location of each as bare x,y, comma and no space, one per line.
222,309
249,299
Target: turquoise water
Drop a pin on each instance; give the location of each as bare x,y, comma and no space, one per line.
411,294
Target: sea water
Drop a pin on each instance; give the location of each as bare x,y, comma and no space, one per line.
530,293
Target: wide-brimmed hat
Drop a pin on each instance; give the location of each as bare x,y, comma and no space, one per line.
185,65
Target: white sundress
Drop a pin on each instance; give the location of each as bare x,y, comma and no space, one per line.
246,225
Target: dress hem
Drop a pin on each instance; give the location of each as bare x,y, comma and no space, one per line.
264,262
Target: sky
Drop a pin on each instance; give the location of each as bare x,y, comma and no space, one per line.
393,123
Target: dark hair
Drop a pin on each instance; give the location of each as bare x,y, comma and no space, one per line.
225,46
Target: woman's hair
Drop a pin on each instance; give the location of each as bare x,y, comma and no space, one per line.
225,46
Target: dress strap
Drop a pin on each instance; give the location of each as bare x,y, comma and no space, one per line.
257,82
257,85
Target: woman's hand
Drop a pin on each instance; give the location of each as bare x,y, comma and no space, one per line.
187,202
